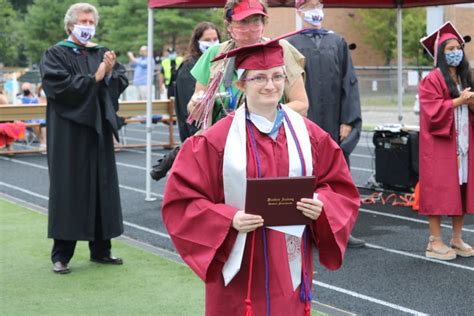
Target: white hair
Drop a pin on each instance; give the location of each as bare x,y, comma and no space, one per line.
72,13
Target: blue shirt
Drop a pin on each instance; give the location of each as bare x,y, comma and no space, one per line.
139,75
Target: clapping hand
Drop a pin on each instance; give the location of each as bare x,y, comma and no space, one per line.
109,61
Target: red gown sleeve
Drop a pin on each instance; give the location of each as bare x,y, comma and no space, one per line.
194,213
341,201
435,108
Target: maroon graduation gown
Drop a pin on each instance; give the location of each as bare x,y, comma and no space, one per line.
439,180
200,224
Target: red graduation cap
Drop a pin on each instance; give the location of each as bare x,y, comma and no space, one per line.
260,56
246,8
446,32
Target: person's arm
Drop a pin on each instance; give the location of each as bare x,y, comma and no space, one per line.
297,98
202,73
132,58
350,100
198,92
464,98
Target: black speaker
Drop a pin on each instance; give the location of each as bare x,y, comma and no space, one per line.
396,159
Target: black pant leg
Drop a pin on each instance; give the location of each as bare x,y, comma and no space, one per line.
99,248
63,250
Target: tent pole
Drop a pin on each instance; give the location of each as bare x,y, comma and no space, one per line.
149,87
399,64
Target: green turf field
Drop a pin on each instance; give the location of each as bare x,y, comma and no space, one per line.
145,285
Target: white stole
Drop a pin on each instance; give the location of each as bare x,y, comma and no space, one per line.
235,176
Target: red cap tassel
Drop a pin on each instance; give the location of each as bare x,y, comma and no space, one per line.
248,307
248,301
307,309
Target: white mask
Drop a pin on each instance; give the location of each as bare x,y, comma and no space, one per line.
83,33
204,45
314,16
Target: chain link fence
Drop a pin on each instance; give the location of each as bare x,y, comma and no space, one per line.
378,85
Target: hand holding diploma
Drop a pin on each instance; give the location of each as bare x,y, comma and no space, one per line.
311,208
244,222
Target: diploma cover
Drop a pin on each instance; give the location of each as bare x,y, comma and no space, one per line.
275,199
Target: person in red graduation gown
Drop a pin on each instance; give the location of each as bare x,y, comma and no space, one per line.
446,142
203,202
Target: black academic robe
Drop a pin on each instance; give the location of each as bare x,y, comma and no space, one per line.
81,120
185,84
331,85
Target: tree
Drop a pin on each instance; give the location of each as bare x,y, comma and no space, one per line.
8,35
125,26
379,29
44,26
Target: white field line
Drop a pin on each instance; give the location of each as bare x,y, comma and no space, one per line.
369,298
362,169
130,166
406,218
407,254
137,151
46,168
155,232
362,156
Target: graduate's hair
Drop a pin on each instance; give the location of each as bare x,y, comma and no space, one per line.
193,50
71,15
463,71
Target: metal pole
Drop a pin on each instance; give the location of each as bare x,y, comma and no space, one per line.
149,87
399,64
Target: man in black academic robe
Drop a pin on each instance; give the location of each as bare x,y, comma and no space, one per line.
84,198
331,83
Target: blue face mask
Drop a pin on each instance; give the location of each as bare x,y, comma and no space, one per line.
454,58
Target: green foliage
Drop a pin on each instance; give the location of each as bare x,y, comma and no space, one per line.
379,29
8,52
125,26
20,5
44,26
414,28
122,26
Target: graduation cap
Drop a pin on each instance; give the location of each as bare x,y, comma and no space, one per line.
244,9
260,56
446,32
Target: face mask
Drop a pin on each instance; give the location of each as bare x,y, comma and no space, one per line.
245,35
204,45
26,92
83,33
314,16
172,56
454,58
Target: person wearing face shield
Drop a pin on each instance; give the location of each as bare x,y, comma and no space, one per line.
245,22
331,83
446,142
204,36
82,81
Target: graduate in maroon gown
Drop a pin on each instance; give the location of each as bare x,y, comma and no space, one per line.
250,268
446,142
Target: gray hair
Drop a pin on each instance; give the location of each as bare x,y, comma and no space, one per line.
71,15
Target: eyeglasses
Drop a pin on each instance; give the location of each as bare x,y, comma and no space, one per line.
263,80
248,28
